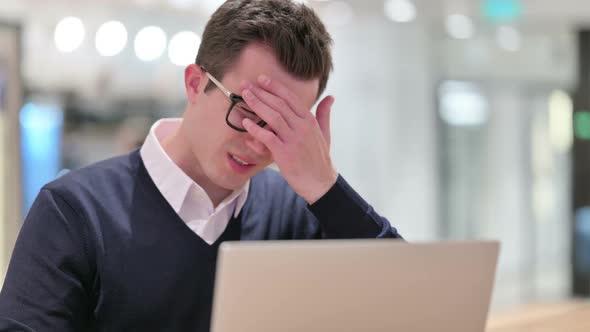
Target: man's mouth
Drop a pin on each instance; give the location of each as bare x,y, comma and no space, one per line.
240,160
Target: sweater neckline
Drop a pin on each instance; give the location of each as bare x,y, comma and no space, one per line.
155,197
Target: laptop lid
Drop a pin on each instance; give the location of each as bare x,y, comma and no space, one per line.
353,285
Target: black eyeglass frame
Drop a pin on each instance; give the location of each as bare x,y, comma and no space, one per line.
234,98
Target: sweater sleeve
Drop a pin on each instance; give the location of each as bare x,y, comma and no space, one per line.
343,213
49,275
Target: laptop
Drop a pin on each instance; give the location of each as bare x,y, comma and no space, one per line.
353,285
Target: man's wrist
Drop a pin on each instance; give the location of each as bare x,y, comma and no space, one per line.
322,188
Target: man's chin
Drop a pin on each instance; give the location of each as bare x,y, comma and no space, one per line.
233,184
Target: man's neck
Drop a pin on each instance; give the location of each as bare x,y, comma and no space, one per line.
175,147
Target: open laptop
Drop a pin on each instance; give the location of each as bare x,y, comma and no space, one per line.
353,285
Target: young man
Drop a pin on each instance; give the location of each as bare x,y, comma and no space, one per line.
130,244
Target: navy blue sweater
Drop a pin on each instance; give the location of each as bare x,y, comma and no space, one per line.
101,249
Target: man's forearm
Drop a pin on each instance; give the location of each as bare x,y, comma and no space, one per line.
343,213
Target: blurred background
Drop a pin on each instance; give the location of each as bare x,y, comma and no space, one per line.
456,119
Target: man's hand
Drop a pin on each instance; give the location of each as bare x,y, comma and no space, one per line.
298,141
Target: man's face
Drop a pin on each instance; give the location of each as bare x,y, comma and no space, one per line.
213,143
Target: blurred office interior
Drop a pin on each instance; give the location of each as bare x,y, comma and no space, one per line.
456,119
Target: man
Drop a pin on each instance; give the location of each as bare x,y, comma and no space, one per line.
130,244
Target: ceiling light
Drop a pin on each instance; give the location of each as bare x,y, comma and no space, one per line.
400,10
69,34
560,120
111,38
462,104
150,43
459,26
183,48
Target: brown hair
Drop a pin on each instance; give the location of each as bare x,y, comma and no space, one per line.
295,33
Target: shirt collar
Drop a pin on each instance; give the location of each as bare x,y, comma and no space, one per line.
170,179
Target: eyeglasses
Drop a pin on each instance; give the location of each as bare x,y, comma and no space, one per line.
238,110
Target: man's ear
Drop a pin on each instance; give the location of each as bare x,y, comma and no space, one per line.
194,78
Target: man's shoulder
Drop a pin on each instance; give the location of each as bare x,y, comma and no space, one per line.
270,181
270,186
273,203
269,176
104,176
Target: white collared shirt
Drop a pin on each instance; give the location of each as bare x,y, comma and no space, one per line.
187,198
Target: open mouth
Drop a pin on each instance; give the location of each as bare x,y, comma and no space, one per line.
239,164
240,161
